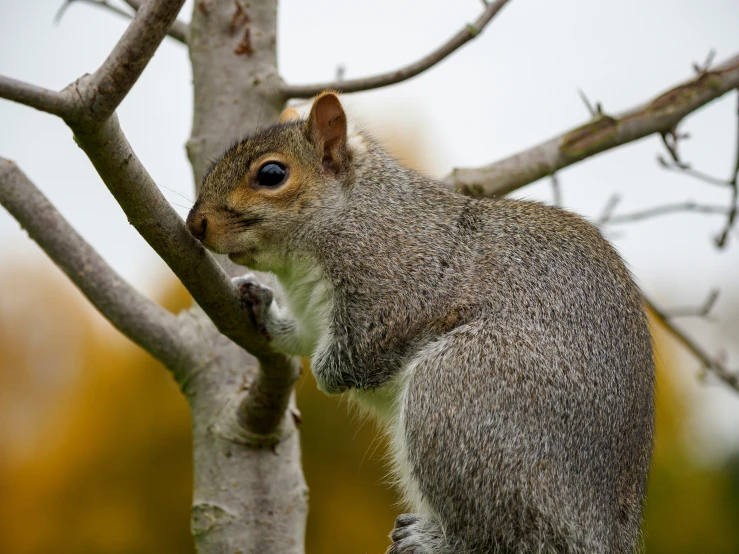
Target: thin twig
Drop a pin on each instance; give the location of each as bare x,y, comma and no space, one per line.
469,32
657,116
143,321
671,139
731,378
101,3
591,110
701,311
664,210
682,167
702,68
178,31
608,209
721,240
556,191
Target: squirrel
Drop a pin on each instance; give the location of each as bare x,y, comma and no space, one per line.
503,342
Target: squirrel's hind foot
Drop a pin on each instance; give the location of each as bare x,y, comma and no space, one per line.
417,534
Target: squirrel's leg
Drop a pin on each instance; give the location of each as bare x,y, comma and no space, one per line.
417,534
272,321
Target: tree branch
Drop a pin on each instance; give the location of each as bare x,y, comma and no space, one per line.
97,96
101,3
657,211
152,216
734,183
680,167
469,32
702,311
88,107
103,91
178,31
147,324
672,139
50,101
731,378
603,133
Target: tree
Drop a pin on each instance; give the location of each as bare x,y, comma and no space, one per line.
245,424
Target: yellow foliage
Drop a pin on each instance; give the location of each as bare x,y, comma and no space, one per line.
95,442
95,434
690,508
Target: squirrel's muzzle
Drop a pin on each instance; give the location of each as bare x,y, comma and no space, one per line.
197,224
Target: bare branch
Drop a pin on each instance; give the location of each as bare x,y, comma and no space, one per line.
662,210
702,68
149,212
682,167
658,116
734,183
147,324
178,31
556,191
102,91
731,378
588,106
469,32
608,209
672,140
101,3
701,311
97,96
157,222
50,101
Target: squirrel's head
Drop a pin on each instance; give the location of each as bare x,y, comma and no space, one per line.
264,188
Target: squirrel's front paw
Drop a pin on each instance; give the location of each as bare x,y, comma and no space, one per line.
258,298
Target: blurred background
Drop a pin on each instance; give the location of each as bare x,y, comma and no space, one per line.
94,435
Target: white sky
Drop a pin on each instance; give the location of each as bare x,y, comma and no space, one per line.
512,87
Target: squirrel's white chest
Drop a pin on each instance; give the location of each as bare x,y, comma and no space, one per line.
309,301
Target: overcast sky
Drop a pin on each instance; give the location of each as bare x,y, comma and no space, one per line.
512,87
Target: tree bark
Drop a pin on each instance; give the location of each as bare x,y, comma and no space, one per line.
263,508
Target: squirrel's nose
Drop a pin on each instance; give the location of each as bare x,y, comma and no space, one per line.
197,223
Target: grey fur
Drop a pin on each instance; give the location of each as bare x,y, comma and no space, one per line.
528,414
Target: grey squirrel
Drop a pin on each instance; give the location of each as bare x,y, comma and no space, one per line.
503,342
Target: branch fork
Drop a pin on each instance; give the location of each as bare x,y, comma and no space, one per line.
88,106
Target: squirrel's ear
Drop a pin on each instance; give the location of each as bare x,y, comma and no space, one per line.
290,114
327,129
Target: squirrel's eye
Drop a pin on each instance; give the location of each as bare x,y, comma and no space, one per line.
271,174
